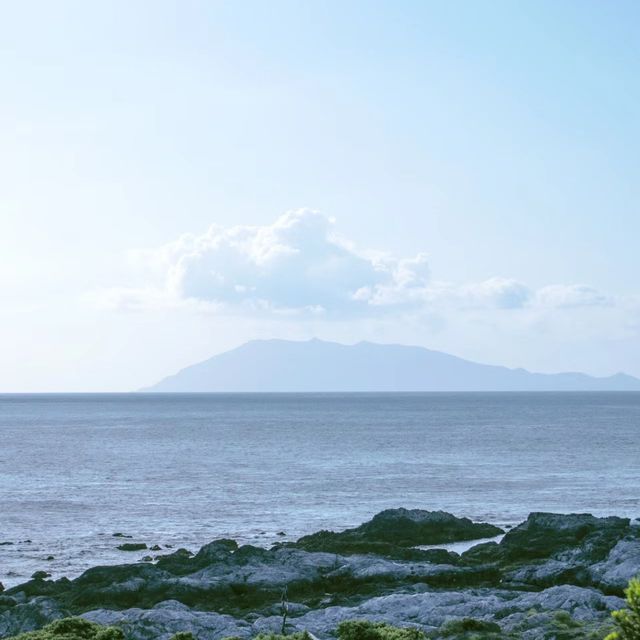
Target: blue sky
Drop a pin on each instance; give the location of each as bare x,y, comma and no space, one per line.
473,167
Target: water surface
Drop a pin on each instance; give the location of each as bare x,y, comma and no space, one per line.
183,469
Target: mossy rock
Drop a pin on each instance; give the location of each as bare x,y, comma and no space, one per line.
470,627
132,546
72,629
366,630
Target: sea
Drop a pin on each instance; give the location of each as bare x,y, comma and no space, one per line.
180,470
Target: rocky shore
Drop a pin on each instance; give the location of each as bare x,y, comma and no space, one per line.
551,575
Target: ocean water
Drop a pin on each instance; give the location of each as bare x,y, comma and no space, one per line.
184,469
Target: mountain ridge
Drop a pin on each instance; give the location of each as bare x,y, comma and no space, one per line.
277,365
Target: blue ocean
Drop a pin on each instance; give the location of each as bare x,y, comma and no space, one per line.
179,470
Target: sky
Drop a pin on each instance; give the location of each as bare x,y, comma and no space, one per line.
179,177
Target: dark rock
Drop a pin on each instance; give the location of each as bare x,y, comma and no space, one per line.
544,534
40,575
132,546
29,616
156,547
215,551
120,535
398,528
486,552
507,584
50,558
6,543
176,562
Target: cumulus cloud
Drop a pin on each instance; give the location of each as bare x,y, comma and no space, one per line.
296,264
299,265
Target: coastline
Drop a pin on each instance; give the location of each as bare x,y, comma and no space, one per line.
550,563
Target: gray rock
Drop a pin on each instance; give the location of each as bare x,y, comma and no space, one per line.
29,616
430,610
169,617
622,564
543,534
549,563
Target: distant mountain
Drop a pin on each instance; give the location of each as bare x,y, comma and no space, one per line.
282,365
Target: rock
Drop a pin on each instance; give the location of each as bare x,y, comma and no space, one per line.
120,535
177,562
29,616
182,561
170,617
432,609
119,586
383,571
548,564
391,532
50,558
484,553
623,563
156,547
233,579
544,534
1,587
216,551
546,574
293,608
40,575
132,546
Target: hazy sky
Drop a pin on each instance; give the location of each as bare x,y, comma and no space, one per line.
179,177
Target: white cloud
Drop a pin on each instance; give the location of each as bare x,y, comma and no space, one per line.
296,264
500,293
299,266
575,295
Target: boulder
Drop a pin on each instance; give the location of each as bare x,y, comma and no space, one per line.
40,575
612,575
7,602
544,534
392,531
170,617
132,546
29,616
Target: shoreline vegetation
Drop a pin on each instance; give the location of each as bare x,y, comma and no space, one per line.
553,576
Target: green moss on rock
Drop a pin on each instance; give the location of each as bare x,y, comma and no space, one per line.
72,629
366,630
